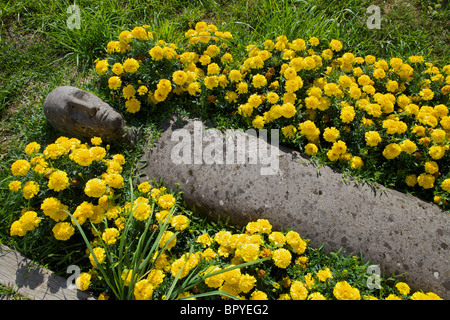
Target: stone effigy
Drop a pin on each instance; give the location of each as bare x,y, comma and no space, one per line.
397,231
79,113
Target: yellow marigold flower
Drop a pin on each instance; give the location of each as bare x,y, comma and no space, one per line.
83,157
109,236
166,201
311,149
83,211
258,295
288,131
133,105
141,209
32,147
248,251
185,264
436,152
179,222
143,290
344,291
17,229
194,88
83,281
114,82
246,283
30,189
117,69
425,296
426,94
258,122
53,208
164,241
411,180
446,185
282,258
99,254
438,135
95,188
128,91
403,288
391,151
379,73
15,186
356,163
331,134
288,110
277,238
156,53
298,291
408,146
101,66
205,240
296,242
259,81
114,180
131,65
426,181
20,167
431,167
316,296
324,274
63,231
335,45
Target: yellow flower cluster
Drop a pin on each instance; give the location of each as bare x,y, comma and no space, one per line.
391,112
54,181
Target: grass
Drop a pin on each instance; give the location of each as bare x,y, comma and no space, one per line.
39,52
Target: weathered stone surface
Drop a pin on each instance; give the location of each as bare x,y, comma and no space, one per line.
81,114
35,282
394,230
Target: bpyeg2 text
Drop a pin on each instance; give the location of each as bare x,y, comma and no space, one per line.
228,309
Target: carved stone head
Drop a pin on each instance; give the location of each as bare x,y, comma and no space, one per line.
82,114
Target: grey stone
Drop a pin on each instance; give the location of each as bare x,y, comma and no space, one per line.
81,114
396,231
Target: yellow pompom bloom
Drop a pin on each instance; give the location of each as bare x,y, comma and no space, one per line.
335,45
17,229
133,105
288,131
179,77
426,94
298,291
408,146
311,149
101,66
258,295
356,163
248,251
109,236
282,258
403,288
324,274
83,281
32,147
391,151
95,188
114,180
164,241
131,65
30,189
15,186
114,82
63,231
143,290
426,181
179,222
99,254
344,291
20,167
53,208
411,180
166,201
331,134
446,185
436,152
296,242
431,167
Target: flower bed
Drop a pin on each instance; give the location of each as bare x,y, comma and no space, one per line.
363,115
143,244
